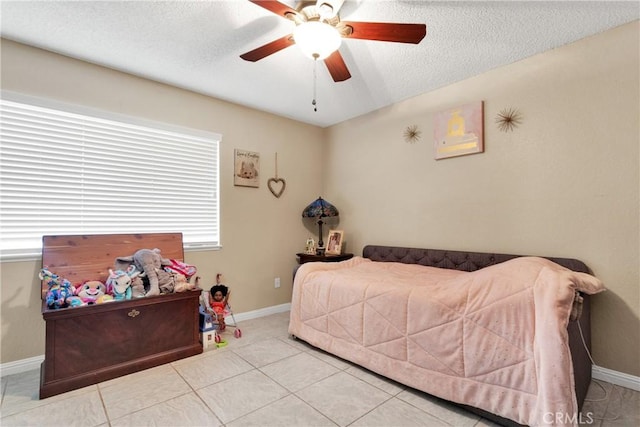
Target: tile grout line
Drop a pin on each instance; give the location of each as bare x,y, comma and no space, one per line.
265,405
395,396
258,369
5,382
339,371
195,392
609,401
104,405
372,409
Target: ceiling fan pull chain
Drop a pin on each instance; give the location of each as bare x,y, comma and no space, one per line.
315,66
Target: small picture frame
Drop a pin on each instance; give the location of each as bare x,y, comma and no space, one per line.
246,168
310,248
334,242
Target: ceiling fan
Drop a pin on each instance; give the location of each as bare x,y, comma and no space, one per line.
322,20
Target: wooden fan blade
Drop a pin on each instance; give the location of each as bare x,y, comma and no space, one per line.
268,49
387,32
275,7
337,67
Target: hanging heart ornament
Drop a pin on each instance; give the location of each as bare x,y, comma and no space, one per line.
273,183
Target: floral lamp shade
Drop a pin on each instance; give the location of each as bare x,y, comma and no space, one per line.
320,208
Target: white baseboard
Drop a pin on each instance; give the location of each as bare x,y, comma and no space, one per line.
614,377
261,312
24,365
20,366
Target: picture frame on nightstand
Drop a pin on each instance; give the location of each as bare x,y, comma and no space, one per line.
334,242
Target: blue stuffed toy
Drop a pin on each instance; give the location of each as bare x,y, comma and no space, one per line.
59,289
119,283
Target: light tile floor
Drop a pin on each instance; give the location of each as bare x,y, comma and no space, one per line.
264,379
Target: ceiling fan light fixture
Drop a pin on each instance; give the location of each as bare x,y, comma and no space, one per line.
317,40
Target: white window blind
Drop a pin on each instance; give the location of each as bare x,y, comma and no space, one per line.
68,173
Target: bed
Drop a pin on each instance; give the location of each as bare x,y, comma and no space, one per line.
503,335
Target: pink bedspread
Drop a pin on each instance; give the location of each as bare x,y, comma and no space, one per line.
495,339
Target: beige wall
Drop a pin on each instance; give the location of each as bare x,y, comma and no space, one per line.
260,234
564,183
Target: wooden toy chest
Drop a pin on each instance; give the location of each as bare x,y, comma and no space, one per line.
89,344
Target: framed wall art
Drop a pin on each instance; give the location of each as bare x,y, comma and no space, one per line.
459,131
334,245
246,169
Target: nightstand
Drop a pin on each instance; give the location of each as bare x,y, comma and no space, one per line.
302,258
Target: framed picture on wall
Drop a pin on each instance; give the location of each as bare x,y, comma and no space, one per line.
459,131
334,244
246,169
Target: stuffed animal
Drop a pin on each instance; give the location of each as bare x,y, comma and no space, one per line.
121,263
151,263
137,284
119,283
181,284
182,268
75,301
59,289
168,286
104,298
90,291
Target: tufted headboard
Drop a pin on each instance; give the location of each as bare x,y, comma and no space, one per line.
453,260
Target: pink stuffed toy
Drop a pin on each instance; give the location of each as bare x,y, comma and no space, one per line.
91,291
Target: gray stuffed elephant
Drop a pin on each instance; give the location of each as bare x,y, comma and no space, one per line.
151,263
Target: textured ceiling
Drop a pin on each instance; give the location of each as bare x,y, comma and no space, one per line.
196,46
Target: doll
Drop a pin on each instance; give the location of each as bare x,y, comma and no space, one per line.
218,300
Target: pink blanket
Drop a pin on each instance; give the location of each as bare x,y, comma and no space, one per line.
495,339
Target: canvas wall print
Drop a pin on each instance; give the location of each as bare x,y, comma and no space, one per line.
459,131
247,169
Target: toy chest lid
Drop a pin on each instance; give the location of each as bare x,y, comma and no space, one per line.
79,258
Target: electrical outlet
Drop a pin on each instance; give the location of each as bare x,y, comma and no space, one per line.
276,282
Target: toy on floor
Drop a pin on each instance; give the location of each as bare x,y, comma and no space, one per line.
219,296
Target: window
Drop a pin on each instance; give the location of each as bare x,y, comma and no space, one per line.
62,172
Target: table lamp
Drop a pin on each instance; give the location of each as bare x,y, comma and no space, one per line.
320,208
